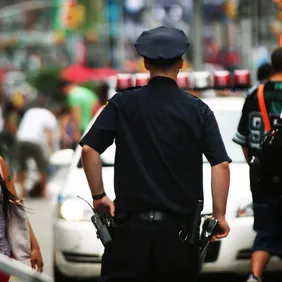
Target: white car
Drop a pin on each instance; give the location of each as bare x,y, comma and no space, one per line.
77,251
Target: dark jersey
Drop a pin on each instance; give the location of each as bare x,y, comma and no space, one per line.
161,133
251,129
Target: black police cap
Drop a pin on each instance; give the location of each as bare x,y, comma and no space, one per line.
162,44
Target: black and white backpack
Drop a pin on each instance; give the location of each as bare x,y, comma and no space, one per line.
266,167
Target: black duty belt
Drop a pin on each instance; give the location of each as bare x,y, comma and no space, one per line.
185,221
151,215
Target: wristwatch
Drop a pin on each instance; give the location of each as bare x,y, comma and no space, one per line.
98,197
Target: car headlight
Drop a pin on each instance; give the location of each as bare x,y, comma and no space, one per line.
74,210
246,211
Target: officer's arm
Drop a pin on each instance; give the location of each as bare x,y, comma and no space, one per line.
220,187
100,136
216,154
93,169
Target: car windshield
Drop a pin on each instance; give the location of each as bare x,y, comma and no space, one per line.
227,121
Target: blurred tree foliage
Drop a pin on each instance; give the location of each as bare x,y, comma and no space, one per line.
92,85
46,81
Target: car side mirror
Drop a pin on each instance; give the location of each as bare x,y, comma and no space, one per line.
61,157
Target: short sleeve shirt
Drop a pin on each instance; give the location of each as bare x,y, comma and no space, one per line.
85,100
161,133
251,129
34,123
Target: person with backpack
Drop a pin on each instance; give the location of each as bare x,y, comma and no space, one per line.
261,114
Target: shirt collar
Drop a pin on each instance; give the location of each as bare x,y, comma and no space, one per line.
160,80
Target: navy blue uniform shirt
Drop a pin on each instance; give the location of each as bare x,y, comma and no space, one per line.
161,133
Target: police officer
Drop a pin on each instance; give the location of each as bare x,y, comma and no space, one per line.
161,133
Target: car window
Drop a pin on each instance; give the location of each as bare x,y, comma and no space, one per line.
228,122
107,158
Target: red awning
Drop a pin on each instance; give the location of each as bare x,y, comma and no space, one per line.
80,74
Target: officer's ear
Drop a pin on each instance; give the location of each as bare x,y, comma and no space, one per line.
181,63
147,65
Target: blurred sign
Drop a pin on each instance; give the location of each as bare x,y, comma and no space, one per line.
134,6
114,18
231,9
279,6
69,15
72,14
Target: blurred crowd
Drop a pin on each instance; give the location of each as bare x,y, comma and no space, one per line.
33,126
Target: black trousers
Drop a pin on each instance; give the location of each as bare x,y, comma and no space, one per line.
144,251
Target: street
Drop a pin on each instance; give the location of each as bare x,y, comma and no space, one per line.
41,220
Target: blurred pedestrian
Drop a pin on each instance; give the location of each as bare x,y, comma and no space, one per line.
12,112
102,93
69,131
37,126
81,101
161,133
249,135
264,73
8,197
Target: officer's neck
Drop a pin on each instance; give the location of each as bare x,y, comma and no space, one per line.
163,74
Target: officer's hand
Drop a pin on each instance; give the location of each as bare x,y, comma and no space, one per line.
223,228
103,205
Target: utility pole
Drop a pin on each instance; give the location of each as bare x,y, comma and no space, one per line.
245,8
196,39
111,33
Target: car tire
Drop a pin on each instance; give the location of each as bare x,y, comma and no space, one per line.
60,277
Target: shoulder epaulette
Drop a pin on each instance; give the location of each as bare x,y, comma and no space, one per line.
130,88
193,95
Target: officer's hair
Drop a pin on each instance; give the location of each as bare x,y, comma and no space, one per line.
276,60
162,64
264,72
